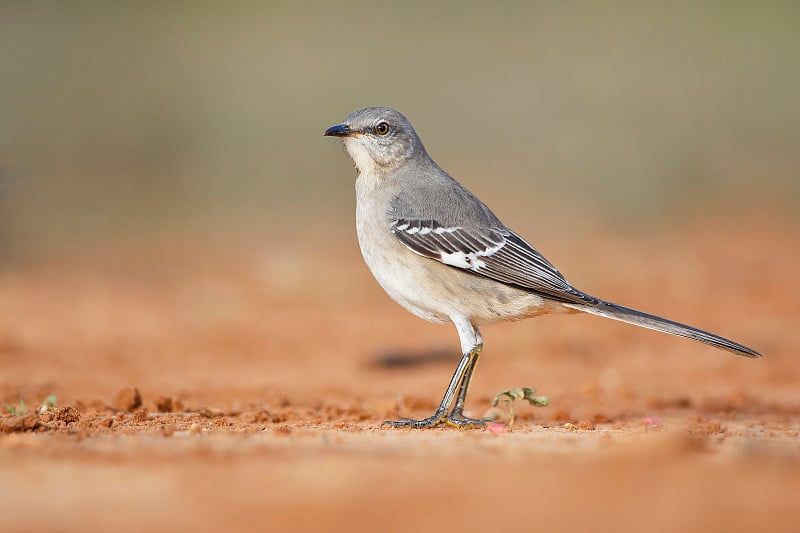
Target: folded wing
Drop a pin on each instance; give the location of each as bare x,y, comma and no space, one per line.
495,253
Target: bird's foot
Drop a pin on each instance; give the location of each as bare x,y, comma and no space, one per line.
454,419
432,421
459,420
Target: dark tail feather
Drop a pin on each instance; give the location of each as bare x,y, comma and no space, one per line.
638,318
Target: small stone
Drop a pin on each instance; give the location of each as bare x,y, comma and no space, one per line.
13,424
164,404
209,412
220,422
105,422
128,399
67,414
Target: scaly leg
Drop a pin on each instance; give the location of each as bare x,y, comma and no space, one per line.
471,344
441,413
457,414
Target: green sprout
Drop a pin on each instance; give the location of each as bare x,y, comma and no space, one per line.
508,397
48,404
17,410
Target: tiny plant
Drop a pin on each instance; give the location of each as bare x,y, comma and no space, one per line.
17,410
48,404
507,398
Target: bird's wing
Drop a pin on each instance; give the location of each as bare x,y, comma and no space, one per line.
493,252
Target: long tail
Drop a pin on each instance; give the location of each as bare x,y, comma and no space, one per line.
638,318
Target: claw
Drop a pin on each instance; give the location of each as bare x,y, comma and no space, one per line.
461,421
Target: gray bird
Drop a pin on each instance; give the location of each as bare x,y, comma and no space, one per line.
438,251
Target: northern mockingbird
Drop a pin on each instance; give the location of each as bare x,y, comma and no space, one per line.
438,251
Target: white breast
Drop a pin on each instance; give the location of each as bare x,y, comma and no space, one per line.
391,263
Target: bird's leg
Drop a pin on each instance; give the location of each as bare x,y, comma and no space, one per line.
456,416
471,345
441,413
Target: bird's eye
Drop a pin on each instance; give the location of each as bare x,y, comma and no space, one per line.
381,128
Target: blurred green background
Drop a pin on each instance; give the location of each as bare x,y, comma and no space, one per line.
126,118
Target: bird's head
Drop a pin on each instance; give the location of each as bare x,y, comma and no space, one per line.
378,139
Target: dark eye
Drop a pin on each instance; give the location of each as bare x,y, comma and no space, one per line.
381,128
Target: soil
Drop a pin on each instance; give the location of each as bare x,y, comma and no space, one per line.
228,387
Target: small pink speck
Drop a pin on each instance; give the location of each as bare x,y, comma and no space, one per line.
497,428
652,421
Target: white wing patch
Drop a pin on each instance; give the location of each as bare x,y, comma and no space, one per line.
469,260
448,243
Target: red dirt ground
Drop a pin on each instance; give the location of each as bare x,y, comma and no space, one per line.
227,387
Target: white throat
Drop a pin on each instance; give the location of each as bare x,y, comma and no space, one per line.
359,154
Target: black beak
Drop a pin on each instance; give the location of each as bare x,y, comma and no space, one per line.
339,130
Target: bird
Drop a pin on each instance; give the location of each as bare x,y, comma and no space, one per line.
442,254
